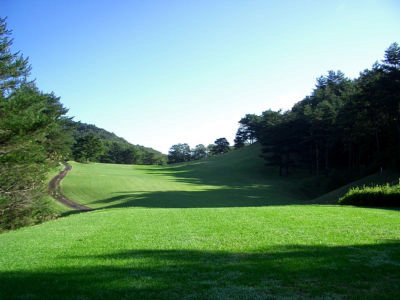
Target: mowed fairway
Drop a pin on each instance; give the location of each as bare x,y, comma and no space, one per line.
225,228
238,179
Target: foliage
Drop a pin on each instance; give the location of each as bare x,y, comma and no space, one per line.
182,152
87,148
32,139
344,125
199,152
375,196
392,55
248,130
179,153
221,146
14,68
116,149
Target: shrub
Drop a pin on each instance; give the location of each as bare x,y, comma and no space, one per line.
376,196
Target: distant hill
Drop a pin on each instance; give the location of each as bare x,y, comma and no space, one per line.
117,149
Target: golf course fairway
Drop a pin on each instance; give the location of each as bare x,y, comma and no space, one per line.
222,228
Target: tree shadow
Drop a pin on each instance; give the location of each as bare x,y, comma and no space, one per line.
223,197
289,271
215,172
211,184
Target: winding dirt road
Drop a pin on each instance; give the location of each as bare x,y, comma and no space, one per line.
54,191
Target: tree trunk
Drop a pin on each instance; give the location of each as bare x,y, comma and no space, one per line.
378,146
287,163
350,154
311,161
326,160
378,149
317,159
398,139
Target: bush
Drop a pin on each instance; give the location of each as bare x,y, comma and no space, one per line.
377,196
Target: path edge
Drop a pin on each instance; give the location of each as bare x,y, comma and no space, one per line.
55,193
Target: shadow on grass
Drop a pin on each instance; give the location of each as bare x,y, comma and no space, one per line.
223,197
213,186
214,172
71,212
359,271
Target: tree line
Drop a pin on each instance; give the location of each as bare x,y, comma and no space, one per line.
344,125
182,152
98,145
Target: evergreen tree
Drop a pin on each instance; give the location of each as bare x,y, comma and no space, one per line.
87,148
14,68
392,56
343,124
32,138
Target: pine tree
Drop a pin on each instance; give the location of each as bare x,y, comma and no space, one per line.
32,138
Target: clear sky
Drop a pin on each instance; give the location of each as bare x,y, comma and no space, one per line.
159,73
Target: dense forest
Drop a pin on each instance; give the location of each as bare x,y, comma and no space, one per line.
99,145
344,129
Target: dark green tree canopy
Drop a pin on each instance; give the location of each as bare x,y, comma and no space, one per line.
179,153
32,138
87,148
199,152
116,149
343,125
221,146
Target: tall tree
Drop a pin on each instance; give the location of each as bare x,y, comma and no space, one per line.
240,140
14,68
249,129
221,146
32,138
392,56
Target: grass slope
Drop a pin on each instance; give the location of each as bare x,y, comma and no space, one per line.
371,180
248,245
236,179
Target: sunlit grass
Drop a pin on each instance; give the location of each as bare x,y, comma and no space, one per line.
244,233
293,251
239,179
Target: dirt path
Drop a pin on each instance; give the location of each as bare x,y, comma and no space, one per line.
54,191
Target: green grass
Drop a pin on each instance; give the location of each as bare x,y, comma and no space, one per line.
219,229
239,179
55,206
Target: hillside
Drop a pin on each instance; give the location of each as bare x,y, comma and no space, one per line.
235,179
221,228
115,146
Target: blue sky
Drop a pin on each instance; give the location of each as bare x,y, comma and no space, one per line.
164,72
